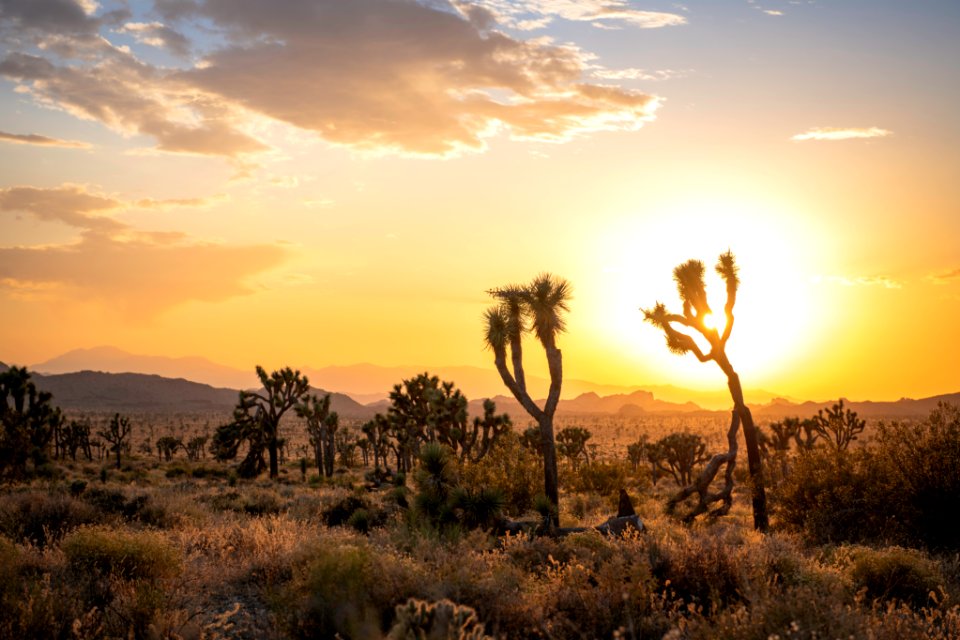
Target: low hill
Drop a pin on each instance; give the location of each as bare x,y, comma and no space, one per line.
99,391
114,360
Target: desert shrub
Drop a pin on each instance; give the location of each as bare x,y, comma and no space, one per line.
31,604
603,478
339,512
805,612
902,489
700,571
923,461
835,497
254,502
120,553
345,588
896,573
42,518
139,508
511,469
360,520
177,470
77,487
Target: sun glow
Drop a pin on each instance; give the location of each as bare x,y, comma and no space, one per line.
769,332
710,321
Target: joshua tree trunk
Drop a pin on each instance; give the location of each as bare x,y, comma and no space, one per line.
754,464
272,450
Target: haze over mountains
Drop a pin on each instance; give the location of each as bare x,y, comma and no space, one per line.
365,383
110,379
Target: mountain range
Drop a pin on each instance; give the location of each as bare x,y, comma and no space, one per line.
365,383
109,390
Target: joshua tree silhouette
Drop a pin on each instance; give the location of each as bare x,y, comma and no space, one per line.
538,306
690,285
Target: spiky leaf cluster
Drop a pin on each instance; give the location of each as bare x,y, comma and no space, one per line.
538,306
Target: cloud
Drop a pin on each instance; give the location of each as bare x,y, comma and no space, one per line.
69,204
865,281
375,75
131,97
140,276
945,277
773,12
638,74
41,141
139,272
535,14
839,133
398,76
157,34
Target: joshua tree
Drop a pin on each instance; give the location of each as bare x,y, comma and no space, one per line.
196,447
167,446
377,432
538,306
679,454
116,434
572,444
838,427
321,426
28,420
696,311
483,433
256,420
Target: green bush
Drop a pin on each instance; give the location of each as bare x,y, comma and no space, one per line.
360,520
903,488
42,518
510,469
895,573
835,497
120,553
344,588
254,502
923,461
604,478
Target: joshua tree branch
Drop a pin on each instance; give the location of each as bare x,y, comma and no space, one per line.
500,360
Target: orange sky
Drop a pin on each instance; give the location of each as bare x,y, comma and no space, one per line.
333,183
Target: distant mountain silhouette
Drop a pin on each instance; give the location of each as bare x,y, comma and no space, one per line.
902,408
367,382
97,383
113,360
98,391
364,382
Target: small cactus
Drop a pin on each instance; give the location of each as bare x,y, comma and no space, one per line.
443,620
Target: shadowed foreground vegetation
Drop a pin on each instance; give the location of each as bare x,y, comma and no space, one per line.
185,549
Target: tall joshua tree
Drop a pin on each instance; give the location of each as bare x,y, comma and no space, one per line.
256,419
690,285
537,307
321,427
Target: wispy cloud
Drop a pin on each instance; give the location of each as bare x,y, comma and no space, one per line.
945,277
840,133
654,75
536,14
41,141
157,34
863,281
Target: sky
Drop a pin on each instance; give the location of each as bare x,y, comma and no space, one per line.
319,182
